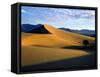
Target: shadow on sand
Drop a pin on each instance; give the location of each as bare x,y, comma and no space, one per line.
85,48
87,61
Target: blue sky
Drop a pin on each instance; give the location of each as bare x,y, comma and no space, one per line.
67,18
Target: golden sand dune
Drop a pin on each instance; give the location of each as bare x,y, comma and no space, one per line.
40,48
36,55
70,37
47,40
57,38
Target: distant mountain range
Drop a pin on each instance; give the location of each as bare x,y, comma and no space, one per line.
83,31
39,28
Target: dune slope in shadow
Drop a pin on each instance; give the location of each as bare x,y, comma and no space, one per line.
36,55
39,29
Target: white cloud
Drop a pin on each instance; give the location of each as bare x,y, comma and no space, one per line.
26,12
23,11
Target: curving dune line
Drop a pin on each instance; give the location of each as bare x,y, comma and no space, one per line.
36,55
57,38
42,48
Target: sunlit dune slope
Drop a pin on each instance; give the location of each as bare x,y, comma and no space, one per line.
41,48
73,38
47,40
36,55
57,38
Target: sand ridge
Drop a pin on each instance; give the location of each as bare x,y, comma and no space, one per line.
42,48
57,37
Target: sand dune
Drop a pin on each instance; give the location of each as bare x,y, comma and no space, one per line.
40,48
36,55
57,38
71,37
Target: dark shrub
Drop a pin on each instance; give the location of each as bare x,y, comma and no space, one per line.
85,42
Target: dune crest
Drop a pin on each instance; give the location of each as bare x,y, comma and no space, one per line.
66,35
43,48
57,38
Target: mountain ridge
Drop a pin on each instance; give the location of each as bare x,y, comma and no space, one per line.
86,32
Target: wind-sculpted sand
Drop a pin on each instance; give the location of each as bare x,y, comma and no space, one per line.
41,48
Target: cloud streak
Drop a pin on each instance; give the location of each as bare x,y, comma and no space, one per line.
71,18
